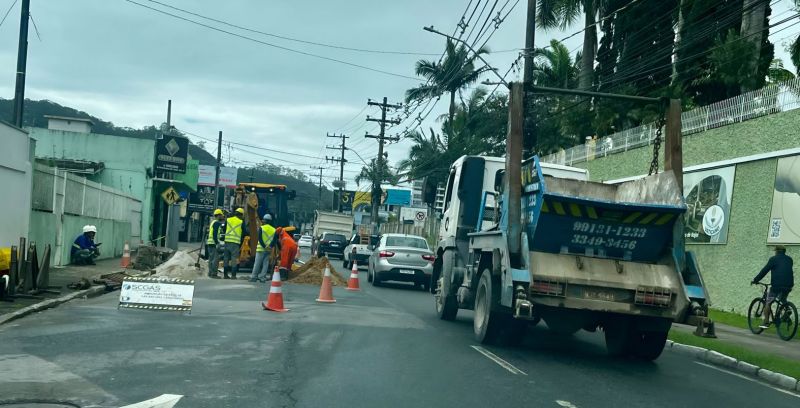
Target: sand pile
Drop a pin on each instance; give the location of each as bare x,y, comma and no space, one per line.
311,273
179,266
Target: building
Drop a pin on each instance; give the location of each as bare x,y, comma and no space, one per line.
68,124
16,179
416,194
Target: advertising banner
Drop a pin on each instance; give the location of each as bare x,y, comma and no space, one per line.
708,197
227,176
171,153
346,199
784,220
397,197
157,294
202,200
361,199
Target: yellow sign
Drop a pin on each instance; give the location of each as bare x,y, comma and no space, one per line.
361,198
170,196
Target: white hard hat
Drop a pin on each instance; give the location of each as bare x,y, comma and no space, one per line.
267,217
89,228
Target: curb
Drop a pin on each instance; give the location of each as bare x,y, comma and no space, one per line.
718,359
50,303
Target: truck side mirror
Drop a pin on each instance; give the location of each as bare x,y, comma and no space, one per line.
429,187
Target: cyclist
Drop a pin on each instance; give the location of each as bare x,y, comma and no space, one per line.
782,280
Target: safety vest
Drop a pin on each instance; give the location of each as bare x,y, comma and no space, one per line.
267,232
210,240
233,231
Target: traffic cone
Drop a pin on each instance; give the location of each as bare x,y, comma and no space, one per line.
326,290
275,297
126,256
352,284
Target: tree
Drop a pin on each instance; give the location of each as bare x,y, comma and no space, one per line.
794,49
777,73
455,71
377,173
563,13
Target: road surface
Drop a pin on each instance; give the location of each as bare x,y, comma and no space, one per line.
381,347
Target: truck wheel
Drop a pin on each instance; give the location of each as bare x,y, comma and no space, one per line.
648,345
445,300
487,324
618,340
344,263
369,274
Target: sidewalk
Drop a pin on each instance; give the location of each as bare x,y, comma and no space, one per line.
763,343
61,277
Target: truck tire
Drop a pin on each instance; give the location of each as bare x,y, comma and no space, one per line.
444,297
648,345
487,323
618,340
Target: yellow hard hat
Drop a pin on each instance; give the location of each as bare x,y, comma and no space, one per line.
240,211
218,212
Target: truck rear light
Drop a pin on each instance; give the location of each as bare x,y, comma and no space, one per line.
551,288
652,296
429,258
386,254
325,241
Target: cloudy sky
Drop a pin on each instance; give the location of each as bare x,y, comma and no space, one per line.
121,62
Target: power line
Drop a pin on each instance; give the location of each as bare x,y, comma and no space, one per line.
255,40
7,12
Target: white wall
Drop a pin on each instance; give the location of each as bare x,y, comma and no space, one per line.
69,125
16,178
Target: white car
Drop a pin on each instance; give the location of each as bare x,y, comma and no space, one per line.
357,252
304,241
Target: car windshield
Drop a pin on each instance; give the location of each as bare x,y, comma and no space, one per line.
411,242
334,237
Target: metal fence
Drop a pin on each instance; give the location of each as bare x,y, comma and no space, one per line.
61,192
765,101
429,230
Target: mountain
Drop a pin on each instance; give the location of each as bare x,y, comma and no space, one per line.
33,116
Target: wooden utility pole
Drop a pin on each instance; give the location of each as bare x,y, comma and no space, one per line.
319,197
527,78
382,138
341,162
22,63
514,169
673,150
216,171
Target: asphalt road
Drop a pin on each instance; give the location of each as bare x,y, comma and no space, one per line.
378,347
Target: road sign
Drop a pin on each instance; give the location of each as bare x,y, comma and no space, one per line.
170,196
157,293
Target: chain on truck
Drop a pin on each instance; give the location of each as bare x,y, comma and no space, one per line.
559,248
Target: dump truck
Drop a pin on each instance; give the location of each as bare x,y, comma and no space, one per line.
527,241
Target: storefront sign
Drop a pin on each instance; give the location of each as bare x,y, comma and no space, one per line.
227,176
157,294
202,200
171,153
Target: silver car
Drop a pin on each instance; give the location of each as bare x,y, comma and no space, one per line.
401,257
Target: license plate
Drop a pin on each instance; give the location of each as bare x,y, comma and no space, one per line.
598,295
407,271
334,244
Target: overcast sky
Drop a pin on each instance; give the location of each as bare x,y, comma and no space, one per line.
122,62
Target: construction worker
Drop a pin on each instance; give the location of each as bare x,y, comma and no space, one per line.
261,264
212,242
234,235
288,251
84,250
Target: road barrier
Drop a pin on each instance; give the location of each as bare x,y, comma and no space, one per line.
275,297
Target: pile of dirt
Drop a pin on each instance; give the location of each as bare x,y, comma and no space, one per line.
179,266
312,271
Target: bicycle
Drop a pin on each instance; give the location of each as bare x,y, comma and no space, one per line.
784,315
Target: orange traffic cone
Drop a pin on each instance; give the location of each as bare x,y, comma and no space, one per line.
126,256
326,290
275,297
352,284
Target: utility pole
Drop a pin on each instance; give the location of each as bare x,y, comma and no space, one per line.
376,186
527,77
22,62
341,162
216,171
319,197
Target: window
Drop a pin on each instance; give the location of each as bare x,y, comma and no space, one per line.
334,237
412,242
449,194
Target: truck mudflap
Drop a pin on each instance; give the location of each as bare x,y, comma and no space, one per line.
631,221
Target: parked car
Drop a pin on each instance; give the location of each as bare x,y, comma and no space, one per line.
332,243
305,241
401,257
358,252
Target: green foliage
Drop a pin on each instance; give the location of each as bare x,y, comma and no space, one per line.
777,73
728,69
377,173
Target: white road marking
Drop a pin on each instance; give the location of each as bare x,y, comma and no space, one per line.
502,363
162,401
744,377
566,404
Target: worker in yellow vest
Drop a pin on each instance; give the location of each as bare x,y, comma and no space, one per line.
261,265
212,242
234,235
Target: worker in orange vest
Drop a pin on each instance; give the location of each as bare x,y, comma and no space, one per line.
288,251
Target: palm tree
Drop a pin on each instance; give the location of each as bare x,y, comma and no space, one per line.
377,173
777,73
794,49
455,71
561,14
555,67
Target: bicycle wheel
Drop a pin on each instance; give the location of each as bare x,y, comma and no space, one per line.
754,315
786,321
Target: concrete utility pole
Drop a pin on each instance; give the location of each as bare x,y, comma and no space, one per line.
385,106
341,162
527,77
216,171
22,62
319,197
